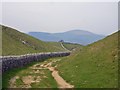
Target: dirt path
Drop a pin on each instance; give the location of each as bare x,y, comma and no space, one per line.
63,47
29,79
60,81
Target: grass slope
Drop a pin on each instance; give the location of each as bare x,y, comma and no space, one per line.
15,43
71,46
95,66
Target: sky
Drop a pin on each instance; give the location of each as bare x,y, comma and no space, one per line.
53,17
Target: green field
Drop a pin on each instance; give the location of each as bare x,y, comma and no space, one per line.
95,66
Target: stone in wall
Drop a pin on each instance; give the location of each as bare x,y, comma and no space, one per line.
10,62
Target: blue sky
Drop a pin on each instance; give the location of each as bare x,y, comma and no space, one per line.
97,17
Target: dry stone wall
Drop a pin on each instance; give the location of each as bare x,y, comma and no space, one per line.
10,62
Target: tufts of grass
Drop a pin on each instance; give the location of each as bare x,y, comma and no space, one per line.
19,82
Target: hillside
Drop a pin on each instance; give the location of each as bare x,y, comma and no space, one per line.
95,66
71,46
15,42
74,36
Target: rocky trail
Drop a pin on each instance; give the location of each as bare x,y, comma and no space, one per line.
37,69
60,81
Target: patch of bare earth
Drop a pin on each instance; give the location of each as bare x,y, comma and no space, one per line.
60,81
12,81
27,79
36,69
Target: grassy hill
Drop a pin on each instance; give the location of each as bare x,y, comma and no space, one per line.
15,43
78,36
95,66
71,46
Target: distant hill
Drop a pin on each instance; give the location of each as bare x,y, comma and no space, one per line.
73,36
15,42
94,66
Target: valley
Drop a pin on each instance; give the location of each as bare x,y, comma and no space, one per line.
94,65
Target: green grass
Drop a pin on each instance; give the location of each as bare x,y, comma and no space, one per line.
48,82
71,46
25,71
95,66
9,74
18,82
12,43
